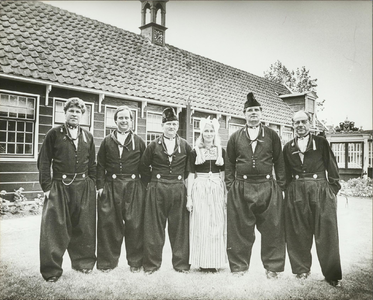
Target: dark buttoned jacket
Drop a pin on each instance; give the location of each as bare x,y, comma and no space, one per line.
59,150
157,157
241,160
318,158
110,162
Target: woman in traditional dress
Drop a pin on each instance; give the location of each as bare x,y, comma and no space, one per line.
207,200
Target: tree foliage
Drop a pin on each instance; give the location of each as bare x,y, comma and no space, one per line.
297,81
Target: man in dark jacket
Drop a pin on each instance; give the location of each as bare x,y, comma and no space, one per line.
69,212
254,196
312,185
121,195
166,197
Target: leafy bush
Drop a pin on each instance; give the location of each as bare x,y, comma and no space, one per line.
20,205
357,187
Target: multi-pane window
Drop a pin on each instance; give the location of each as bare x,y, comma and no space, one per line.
355,156
286,136
370,155
348,155
17,123
339,153
59,114
154,126
233,128
196,129
110,125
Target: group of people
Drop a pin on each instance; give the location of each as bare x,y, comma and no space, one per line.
211,198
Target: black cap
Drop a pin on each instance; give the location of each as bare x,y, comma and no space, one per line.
168,115
251,101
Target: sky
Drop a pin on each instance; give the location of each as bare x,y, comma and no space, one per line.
332,39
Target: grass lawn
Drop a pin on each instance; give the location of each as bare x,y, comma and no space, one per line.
20,277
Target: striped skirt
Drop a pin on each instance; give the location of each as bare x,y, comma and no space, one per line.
208,222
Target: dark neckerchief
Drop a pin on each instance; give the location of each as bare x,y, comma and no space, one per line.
67,127
295,144
177,145
114,137
260,132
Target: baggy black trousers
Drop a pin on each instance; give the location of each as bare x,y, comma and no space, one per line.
120,214
311,210
255,203
68,223
166,200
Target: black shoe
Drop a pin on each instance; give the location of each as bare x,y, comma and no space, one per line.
84,271
150,272
303,275
52,279
271,274
208,270
135,269
334,283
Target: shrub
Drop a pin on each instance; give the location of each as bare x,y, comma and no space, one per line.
357,187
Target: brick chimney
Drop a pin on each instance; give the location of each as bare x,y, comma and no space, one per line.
152,30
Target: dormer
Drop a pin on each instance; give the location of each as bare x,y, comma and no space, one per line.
150,28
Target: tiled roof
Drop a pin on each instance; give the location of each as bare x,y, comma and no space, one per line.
43,42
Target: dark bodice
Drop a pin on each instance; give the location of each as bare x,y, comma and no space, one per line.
206,167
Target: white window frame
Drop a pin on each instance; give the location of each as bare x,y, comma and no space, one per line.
288,133
230,125
196,130
156,132
24,157
65,100
355,153
339,150
134,121
370,154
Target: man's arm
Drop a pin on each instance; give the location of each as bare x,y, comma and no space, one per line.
92,160
44,161
278,161
331,166
230,162
146,161
101,165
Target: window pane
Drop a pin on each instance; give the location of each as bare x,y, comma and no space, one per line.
4,99
28,138
233,128
2,125
20,126
12,100
11,126
31,103
2,136
28,149
355,157
11,148
110,117
11,137
154,121
29,127
2,148
20,149
20,137
22,101
339,153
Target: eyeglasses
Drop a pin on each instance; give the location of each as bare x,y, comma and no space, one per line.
304,122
